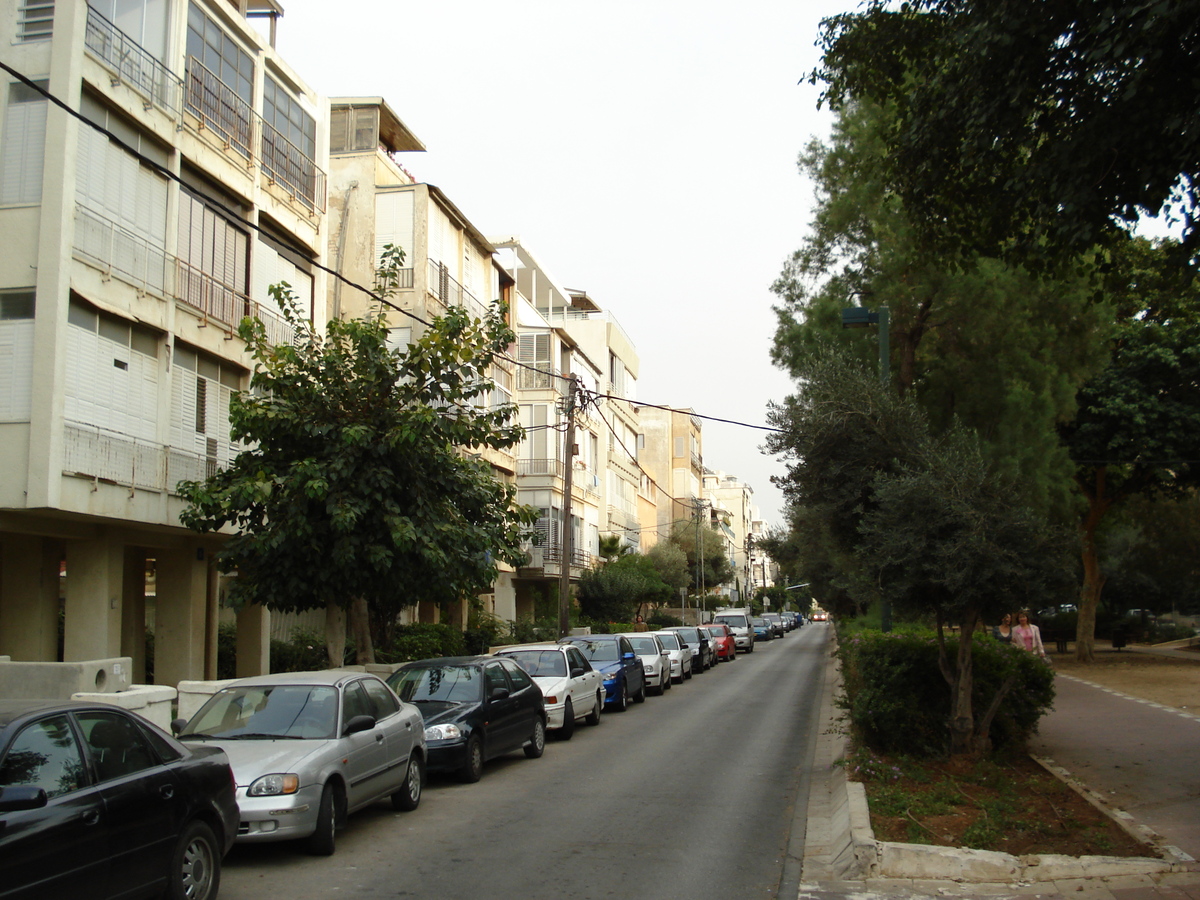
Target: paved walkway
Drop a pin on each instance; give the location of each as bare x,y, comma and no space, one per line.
1142,757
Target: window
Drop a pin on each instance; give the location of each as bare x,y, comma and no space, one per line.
201,388
45,754
215,257
381,698
144,21
494,678
289,141
36,20
220,80
353,128
355,702
116,745
518,676
22,148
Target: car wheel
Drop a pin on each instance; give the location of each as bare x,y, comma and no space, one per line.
472,769
195,865
593,717
537,744
322,842
688,673
668,682
640,696
621,702
408,797
568,725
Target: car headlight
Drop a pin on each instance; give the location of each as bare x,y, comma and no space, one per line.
272,785
610,677
443,733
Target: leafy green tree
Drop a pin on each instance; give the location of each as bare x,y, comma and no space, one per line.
715,567
611,592
357,488
613,546
1029,129
671,565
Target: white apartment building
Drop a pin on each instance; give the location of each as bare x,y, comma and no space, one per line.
732,505
131,254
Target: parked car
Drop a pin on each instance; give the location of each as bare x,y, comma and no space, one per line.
724,647
622,670
776,623
738,622
700,643
790,620
762,629
681,655
475,708
571,689
656,661
96,802
310,748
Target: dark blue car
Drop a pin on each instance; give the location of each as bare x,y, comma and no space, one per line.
614,658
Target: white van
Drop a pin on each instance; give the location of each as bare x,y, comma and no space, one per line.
738,621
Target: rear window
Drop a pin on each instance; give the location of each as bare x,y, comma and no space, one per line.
733,621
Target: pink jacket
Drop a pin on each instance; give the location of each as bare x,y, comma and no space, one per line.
1028,637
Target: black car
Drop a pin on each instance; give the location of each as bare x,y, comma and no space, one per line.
704,654
621,668
475,708
96,802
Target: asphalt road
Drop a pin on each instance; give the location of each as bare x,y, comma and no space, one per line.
698,793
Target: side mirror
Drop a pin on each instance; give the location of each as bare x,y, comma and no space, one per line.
177,725
629,656
498,693
15,798
577,672
359,723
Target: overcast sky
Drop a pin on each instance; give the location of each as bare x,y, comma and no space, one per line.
644,151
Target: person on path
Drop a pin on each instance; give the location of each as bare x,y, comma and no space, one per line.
1028,637
1003,632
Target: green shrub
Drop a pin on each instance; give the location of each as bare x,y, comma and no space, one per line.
659,619
227,650
899,702
422,641
305,652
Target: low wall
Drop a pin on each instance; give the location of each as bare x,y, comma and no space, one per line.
150,701
60,680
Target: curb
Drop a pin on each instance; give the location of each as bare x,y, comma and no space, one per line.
841,846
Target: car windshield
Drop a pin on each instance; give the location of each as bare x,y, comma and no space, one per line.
644,646
543,663
670,641
249,712
450,684
691,635
600,651
759,622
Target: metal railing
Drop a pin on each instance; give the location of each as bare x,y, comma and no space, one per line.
552,467
132,64
450,292
565,315
239,128
540,379
94,452
553,553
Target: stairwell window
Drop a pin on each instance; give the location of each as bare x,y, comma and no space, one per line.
36,21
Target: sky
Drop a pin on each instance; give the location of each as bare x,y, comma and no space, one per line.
643,150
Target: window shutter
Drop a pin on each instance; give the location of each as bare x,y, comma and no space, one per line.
23,148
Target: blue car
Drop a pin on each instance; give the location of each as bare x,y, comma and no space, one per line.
621,668
762,629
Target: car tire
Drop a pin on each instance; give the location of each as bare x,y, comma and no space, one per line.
408,797
323,841
688,674
621,701
537,742
195,865
668,683
593,718
568,725
472,769
640,696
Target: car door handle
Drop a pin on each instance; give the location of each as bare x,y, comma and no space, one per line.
91,817
167,791
379,737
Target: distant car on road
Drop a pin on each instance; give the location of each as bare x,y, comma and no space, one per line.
762,629
620,667
820,616
96,802
701,644
681,655
724,645
571,688
656,661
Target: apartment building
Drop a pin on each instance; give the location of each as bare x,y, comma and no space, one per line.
135,242
374,202
732,509
671,442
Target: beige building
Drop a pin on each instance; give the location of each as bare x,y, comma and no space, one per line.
670,454
732,509
134,244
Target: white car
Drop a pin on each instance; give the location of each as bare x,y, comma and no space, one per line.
572,689
681,655
655,660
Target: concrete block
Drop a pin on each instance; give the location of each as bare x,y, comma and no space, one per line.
918,861
1108,866
194,694
60,680
1050,867
150,701
989,865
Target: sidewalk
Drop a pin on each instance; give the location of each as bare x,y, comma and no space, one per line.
1120,747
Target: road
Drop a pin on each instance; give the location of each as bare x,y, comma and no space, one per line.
698,793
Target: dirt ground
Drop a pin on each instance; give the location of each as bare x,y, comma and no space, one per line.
1171,681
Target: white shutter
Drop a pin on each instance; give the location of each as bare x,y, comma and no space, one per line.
394,223
265,271
22,151
16,370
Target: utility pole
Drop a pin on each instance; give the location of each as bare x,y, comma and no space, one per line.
568,541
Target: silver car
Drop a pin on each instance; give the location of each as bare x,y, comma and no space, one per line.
309,748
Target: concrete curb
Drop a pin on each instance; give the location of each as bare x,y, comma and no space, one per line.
841,846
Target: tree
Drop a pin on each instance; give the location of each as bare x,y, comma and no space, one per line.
613,546
715,568
356,487
611,592
671,565
1137,429
1092,123
919,520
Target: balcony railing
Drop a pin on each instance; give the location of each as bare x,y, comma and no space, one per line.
539,379
95,452
122,254
240,129
132,65
551,467
450,292
541,554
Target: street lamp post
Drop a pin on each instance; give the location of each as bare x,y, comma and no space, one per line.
861,317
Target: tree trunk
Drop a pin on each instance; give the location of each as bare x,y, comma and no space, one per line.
335,635
962,715
360,630
1099,503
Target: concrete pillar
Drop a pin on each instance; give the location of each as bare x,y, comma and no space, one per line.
181,617
253,641
29,598
95,589
428,612
133,612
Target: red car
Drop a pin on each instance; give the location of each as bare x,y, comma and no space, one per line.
723,642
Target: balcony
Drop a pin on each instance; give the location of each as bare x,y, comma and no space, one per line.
549,556
131,65
119,253
539,379
451,293
237,128
103,455
548,467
